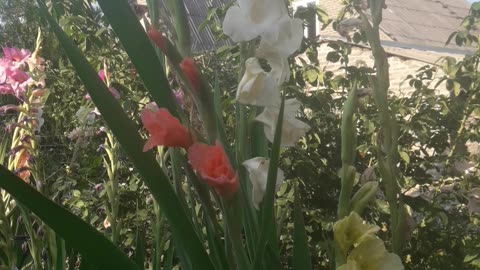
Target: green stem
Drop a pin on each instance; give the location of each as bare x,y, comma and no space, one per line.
381,84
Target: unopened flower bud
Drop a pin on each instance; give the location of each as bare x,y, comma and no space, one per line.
191,72
364,196
157,38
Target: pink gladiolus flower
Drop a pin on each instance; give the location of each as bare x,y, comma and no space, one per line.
13,80
16,55
164,129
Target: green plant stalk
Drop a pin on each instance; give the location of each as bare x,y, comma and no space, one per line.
112,187
268,215
251,225
158,236
234,229
301,254
348,170
381,84
182,29
6,232
35,244
348,152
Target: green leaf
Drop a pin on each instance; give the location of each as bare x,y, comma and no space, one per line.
98,249
182,29
268,219
301,254
140,246
124,130
140,50
405,157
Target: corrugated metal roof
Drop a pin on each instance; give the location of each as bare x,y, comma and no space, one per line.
423,22
418,23
197,10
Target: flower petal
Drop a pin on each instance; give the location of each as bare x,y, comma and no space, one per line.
286,35
164,129
257,87
258,174
238,27
292,128
212,164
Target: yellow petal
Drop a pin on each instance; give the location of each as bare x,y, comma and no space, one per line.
350,230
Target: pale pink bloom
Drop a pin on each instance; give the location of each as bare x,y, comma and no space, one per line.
13,80
101,74
39,92
9,107
19,56
179,97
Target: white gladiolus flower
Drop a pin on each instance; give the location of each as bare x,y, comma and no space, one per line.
280,70
258,172
285,36
292,128
257,87
252,18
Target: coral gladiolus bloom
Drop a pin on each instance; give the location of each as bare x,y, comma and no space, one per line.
212,164
164,129
188,67
157,38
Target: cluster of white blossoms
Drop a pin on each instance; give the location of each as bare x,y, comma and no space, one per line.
280,36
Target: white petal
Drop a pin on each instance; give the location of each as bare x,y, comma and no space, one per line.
292,128
263,13
286,35
257,87
258,173
237,26
279,64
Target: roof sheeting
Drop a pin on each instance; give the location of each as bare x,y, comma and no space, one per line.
197,10
423,22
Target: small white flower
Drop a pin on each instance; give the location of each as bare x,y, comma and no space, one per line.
252,18
258,173
257,87
292,128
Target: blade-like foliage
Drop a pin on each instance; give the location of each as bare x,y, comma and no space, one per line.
301,254
140,50
131,142
79,234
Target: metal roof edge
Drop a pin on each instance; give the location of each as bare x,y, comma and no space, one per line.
397,44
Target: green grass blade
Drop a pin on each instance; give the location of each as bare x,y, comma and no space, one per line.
268,218
301,253
140,246
131,142
99,250
140,50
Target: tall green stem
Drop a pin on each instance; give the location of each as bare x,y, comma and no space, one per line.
387,152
